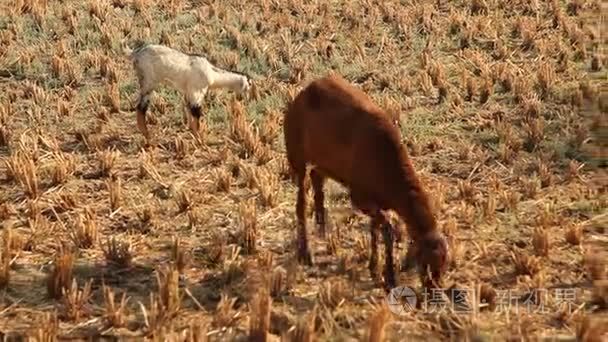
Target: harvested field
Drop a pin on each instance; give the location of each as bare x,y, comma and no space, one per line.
502,104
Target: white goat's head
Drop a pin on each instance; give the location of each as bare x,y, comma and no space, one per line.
245,87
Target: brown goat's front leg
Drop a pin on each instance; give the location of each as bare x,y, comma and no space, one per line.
389,264
409,261
317,180
304,256
373,259
369,208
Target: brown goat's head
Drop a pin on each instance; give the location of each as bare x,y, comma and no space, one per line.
430,254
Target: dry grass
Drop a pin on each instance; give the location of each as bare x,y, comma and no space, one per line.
167,281
179,256
259,318
5,257
118,252
76,301
502,108
61,276
115,313
377,322
85,234
574,234
248,227
541,242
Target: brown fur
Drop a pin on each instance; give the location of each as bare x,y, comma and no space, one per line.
343,135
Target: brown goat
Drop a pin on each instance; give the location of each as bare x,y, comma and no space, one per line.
343,135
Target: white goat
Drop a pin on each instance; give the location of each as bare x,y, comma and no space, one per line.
192,75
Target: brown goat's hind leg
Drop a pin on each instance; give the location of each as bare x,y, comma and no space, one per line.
317,180
304,256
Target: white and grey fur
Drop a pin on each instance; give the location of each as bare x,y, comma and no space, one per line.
192,75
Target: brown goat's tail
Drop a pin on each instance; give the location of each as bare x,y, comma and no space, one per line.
288,135
291,172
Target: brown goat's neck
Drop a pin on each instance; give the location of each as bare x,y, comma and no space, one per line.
414,205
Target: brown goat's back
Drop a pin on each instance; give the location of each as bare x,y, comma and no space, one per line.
336,127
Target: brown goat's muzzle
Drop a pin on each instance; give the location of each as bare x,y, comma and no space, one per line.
431,254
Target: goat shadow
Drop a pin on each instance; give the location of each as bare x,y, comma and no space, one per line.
27,288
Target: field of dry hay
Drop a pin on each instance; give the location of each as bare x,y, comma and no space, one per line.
502,106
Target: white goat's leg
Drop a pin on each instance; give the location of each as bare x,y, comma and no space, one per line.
186,112
145,91
142,106
195,101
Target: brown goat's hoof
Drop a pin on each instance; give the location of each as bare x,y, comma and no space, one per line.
321,232
148,145
389,280
373,272
388,287
305,258
375,275
408,263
